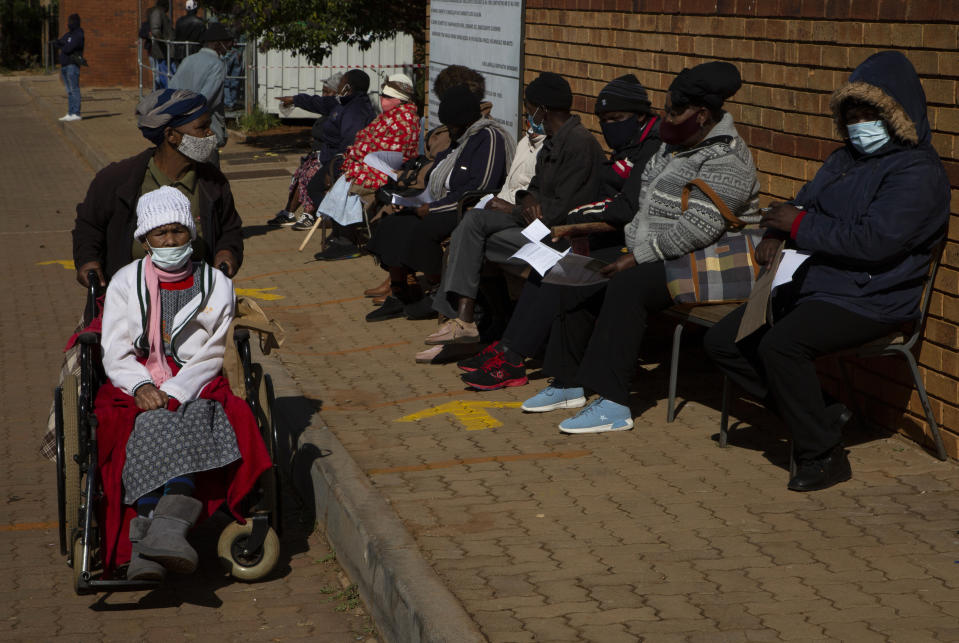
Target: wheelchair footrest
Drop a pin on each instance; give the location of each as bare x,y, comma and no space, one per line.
93,586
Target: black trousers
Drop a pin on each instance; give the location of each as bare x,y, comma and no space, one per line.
595,339
533,316
777,364
404,239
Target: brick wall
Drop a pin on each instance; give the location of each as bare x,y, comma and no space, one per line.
792,54
110,30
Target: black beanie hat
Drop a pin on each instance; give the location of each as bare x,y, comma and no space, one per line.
709,84
551,91
623,94
459,106
358,80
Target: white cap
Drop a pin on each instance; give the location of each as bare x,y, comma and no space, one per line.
398,86
162,206
191,5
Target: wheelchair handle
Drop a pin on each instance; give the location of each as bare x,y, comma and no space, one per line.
93,285
224,268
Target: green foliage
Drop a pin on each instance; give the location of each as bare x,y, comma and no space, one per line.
313,27
257,121
21,22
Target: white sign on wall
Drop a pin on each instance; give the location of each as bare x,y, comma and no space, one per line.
485,35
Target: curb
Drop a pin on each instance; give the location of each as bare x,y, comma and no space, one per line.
405,596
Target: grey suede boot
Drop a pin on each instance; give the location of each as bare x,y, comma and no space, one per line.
165,541
140,568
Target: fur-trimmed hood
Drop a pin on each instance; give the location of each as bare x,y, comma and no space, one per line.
888,81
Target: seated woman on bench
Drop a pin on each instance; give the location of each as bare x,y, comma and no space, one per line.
174,442
870,220
594,341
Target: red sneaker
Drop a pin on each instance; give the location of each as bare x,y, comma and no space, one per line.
476,362
497,373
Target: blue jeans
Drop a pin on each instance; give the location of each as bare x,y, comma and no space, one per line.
161,75
71,79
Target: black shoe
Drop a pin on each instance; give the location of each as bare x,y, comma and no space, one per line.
390,309
337,251
283,218
421,309
304,223
822,473
496,373
476,362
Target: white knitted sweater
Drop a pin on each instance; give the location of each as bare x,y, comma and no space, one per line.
661,229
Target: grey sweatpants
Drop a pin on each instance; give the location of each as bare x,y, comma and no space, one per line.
488,234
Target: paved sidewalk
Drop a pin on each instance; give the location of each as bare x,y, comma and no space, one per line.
653,534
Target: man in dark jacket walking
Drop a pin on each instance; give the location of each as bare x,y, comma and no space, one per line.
161,31
869,221
71,54
177,122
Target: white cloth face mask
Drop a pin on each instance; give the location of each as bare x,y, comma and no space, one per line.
171,259
196,148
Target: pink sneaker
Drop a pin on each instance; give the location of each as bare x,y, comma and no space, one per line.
454,331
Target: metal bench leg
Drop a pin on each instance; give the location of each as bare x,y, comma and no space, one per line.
917,379
724,420
673,372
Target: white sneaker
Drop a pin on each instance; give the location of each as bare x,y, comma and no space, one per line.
66,117
70,118
75,117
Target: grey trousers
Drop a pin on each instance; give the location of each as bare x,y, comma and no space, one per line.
488,234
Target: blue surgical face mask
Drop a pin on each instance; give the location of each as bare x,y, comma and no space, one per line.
534,127
170,259
868,137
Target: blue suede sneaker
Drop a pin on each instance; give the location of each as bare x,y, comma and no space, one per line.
600,416
555,397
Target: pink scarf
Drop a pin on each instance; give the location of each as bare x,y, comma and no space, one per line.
156,362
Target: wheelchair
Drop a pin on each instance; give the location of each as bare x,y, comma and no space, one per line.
248,552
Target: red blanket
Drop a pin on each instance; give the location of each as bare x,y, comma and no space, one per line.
116,412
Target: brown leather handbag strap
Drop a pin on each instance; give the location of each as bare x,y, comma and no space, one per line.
735,223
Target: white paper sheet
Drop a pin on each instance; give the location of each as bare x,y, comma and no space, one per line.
414,201
482,202
539,256
790,263
535,231
575,270
386,162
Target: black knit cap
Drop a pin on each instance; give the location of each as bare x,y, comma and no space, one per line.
459,106
216,32
709,84
623,94
551,91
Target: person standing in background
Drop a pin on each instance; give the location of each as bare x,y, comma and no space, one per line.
205,73
189,28
71,56
161,30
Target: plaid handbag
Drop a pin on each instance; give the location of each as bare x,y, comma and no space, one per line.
722,272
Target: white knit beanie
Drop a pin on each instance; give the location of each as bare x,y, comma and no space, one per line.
398,86
162,206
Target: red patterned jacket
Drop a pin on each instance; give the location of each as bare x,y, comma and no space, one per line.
397,130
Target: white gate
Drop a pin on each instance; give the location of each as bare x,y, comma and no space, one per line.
285,73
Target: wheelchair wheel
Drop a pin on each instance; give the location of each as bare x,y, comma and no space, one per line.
272,482
254,566
77,555
70,468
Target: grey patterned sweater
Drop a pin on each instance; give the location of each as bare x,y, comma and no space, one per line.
660,229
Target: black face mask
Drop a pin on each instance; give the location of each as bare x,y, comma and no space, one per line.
619,134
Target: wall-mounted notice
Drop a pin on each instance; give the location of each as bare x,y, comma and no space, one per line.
485,35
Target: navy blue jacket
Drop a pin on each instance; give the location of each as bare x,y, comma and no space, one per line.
71,43
341,122
482,165
872,220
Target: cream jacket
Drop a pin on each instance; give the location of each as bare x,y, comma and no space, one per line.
198,337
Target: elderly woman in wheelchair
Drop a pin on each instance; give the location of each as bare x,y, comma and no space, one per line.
172,442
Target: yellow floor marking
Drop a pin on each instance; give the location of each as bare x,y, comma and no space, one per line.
29,526
495,458
258,293
471,414
347,351
66,263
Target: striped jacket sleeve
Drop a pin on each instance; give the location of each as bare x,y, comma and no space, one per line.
481,166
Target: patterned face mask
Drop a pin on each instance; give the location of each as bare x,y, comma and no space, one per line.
196,148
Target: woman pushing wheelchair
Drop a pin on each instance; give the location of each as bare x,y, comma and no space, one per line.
174,442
